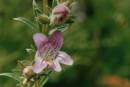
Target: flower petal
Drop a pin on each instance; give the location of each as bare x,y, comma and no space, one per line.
44,50
39,64
56,66
56,40
64,58
60,9
39,40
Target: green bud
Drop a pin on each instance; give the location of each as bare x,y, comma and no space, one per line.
44,19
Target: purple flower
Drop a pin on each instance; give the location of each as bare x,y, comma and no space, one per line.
48,53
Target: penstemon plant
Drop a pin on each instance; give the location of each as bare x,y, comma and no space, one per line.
48,26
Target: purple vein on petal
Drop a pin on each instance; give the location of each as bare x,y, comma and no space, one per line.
40,40
39,64
56,40
56,66
64,58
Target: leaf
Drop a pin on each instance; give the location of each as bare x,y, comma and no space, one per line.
54,3
27,22
36,12
44,81
29,50
36,9
63,27
11,75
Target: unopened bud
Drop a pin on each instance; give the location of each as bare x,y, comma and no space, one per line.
59,14
28,72
44,19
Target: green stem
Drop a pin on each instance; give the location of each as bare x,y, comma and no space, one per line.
37,83
44,82
57,1
45,79
45,29
45,4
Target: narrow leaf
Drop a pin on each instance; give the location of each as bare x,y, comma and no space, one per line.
27,22
36,12
63,27
45,79
11,75
44,82
36,9
54,3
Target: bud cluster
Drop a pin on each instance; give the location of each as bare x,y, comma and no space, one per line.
58,15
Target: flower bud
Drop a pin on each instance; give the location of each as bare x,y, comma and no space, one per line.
28,72
44,19
59,14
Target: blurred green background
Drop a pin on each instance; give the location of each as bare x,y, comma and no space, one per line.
99,43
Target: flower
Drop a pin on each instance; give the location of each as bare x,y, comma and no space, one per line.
59,14
48,54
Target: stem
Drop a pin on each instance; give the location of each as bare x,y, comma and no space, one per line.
37,84
45,10
45,4
46,30
44,82
57,1
45,79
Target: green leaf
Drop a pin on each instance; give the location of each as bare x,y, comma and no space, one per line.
36,12
29,50
36,9
54,3
11,75
44,82
27,22
63,27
